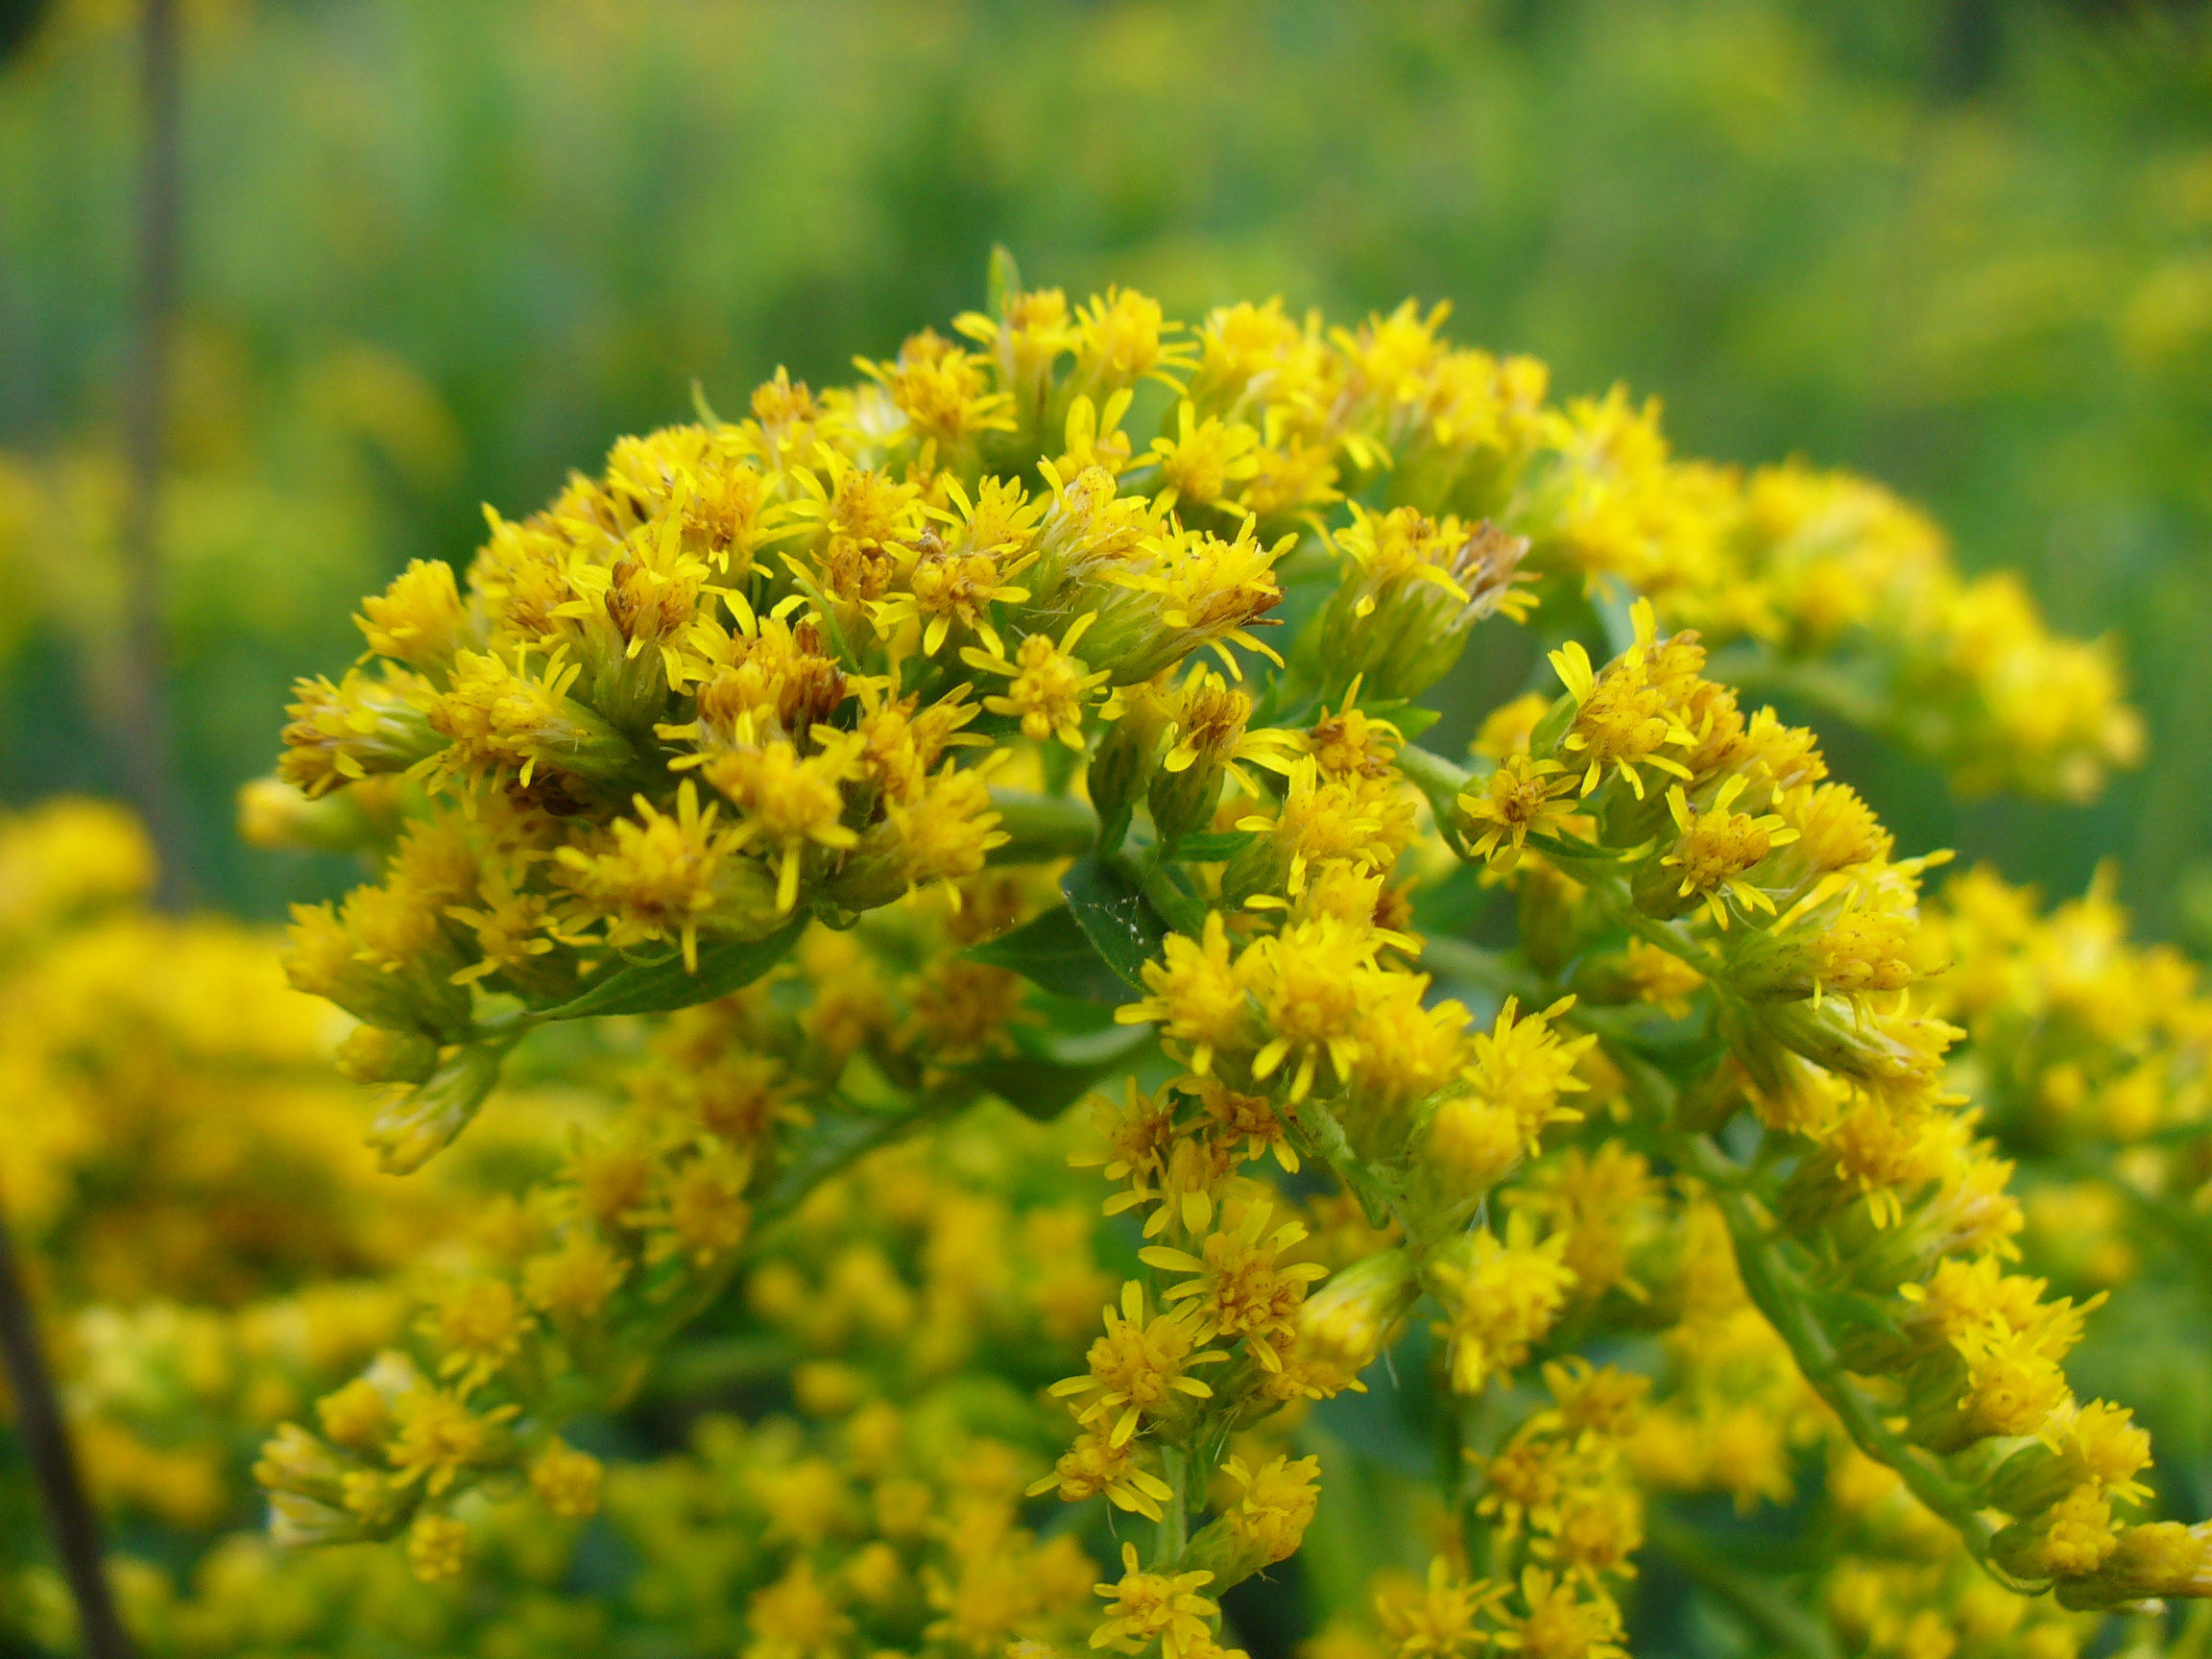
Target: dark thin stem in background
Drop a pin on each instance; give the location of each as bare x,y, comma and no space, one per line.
144,739
45,1437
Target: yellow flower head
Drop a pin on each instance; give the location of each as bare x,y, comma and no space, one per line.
1497,1297
1204,460
1138,1366
357,1415
1718,848
359,728
1521,796
1311,983
1239,1290
1199,997
797,1617
1146,1608
1207,730
664,875
437,1548
503,719
1523,1064
1097,1465
568,1482
1202,592
1559,1622
480,1323
766,679
943,390
1439,1620
1274,1505
1626,714
854,521
418,619
1049,688
700,1213
948,832
439,1438
1122,338
790,802
955,583
574,1280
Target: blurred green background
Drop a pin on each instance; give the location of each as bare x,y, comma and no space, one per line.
436,253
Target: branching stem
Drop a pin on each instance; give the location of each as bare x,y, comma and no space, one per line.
45,1437
1779,1294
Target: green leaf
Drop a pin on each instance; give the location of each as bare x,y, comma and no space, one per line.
657,987
1035,1088
1582,851
1409,718
1214,846
1052,950
1042,1088
1412,720
1040,827
1847,1312
1115,915
1001,280
827,1146
1553,726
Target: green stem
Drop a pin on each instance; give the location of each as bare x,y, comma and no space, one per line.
1430,773
43,1432
1612,895
1175,1514
1442,782
1774,1286
1042,827
1470,963
1765,1606
1182,912
1452,1455
1325,1140
844,1140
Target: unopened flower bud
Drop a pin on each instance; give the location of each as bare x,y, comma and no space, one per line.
1264,1525
357,728
1203,741
2162,1559
280,816
420,1123
2072,1538
568,1482
1878,1047
1348,1323
437,1548
1402,617
1129,752
1473,1144
300,1523
372,1054
1555,916
299,1462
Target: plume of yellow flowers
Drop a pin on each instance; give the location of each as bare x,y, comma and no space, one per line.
891,755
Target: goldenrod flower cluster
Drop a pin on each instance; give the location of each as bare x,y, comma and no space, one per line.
950,864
